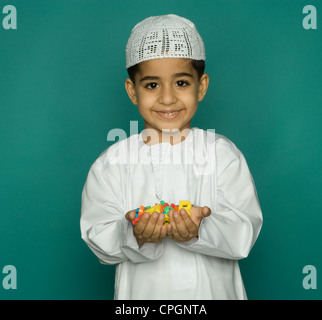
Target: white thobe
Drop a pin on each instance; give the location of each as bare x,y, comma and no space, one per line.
208,170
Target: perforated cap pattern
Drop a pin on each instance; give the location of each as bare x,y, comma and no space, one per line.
166,36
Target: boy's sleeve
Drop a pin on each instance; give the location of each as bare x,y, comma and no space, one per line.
235,222
103,225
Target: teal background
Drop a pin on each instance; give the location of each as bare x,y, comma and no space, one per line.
62,89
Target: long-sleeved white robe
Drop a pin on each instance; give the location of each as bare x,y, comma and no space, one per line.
208,170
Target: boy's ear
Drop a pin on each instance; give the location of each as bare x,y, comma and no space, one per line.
130,89
203,86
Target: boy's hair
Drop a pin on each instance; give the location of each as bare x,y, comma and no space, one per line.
198,65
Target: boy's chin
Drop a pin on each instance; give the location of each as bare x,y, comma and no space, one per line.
170,129
168,126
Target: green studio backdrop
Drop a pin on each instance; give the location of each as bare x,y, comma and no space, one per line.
62,90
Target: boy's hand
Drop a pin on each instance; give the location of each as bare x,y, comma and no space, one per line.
182,227
150,228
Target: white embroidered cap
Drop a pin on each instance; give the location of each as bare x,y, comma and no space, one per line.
165,36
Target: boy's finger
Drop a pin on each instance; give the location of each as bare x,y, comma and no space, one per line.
140,227
181,233
169,230
160,220
181,225
174,231
150,226
157,229
163,233
129,216
190,225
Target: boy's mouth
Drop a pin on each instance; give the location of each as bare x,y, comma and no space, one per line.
169,115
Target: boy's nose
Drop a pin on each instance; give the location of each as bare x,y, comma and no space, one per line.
167,95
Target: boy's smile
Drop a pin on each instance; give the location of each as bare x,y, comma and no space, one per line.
167,92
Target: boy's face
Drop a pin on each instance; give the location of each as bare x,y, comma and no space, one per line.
167,92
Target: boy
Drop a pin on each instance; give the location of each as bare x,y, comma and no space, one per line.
193,257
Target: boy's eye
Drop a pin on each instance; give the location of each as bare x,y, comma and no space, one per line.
181,83
151,85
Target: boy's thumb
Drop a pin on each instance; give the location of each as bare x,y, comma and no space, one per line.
130,215
205,211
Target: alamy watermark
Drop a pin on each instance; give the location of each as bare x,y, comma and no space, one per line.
9,21
9,280
310,20
310,280
199,151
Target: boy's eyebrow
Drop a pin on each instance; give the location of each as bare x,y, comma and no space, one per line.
183,74
149,78
176,75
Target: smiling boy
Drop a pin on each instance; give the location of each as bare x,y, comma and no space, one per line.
167,92
193,257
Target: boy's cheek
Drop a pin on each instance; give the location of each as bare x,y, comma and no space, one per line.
145,98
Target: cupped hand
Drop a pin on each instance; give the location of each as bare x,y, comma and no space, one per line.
183,227
150,228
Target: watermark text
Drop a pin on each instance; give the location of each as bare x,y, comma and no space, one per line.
9,280
9,21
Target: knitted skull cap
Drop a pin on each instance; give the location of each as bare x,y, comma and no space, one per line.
165,36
